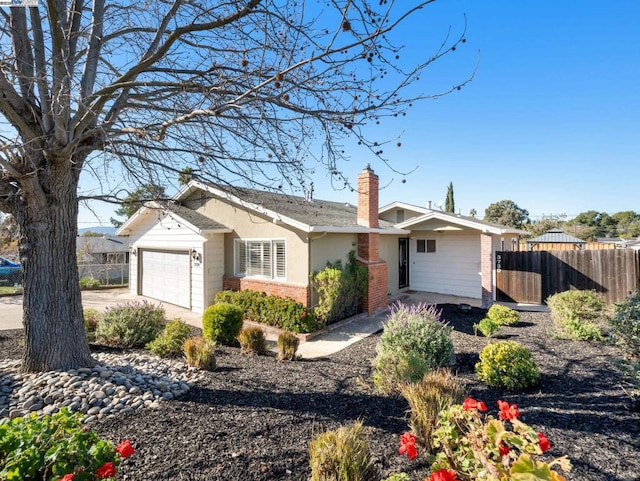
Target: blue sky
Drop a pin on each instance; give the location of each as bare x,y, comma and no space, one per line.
550,121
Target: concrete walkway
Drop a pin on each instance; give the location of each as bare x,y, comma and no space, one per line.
337,337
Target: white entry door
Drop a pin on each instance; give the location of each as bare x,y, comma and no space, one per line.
166,276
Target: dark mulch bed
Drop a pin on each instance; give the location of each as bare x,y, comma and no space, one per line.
254,417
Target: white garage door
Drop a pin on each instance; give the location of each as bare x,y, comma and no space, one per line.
166,275
452,267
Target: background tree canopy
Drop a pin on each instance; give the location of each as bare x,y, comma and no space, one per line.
506,212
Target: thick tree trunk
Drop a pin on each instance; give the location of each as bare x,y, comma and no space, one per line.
53,319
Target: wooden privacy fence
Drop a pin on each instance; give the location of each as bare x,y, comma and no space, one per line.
531,277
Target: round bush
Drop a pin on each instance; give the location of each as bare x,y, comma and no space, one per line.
507,364
222,322
133,324
503,315
169,343
413,341
487,326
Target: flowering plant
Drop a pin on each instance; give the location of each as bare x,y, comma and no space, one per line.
408,446
474,446
56,447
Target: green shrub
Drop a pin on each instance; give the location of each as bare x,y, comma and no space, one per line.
394,368
49,447
503,315
252,341
222,322
91,319
576,314
488,327
625,326
507,364
169,343
288,344
341,455
133,324
435,392
341,290
581,330
200,353
282,312
89,282
413,341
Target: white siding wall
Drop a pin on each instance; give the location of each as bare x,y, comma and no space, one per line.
214,262
453,269
167,234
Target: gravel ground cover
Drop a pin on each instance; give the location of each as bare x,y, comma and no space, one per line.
253,418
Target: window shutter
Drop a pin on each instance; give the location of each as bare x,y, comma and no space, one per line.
241,258
281,258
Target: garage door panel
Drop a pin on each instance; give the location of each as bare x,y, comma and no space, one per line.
453,269
166,276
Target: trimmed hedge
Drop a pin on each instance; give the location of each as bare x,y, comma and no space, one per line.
282,312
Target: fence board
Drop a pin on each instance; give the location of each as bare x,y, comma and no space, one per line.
531,277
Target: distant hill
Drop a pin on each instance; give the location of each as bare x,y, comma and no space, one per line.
101,229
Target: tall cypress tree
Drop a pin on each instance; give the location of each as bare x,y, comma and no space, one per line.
450,205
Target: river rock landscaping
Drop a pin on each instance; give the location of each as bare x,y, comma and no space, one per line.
253,417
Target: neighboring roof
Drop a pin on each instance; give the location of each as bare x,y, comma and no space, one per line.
103,244
451,218
307,215
555,236
190,218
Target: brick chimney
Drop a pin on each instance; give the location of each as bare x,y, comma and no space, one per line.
369,242
368,198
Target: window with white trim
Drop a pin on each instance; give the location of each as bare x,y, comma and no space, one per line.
261,258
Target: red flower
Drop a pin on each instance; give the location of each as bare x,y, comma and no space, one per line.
443,475
67,477
107,470
508,411
125,449
408,446
545,445
503,449
471,403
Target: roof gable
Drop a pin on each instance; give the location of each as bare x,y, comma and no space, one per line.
451,221
193,220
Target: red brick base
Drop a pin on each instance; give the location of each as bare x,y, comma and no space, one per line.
280,289
376,296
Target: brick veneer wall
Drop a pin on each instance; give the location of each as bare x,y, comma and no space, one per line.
280,289
376,296
369,247
486,269
368,198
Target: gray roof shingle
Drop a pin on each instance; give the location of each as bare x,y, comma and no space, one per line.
312,213
555,237
194,218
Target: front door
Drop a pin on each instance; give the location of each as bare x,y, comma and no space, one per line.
403,257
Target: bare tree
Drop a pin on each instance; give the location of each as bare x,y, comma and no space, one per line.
256,90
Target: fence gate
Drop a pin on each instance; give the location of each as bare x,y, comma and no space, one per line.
531,277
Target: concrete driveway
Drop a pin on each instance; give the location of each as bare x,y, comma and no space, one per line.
11,306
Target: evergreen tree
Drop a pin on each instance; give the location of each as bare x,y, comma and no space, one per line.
450,205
